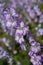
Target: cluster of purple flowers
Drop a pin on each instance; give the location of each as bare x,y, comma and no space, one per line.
13,26
34,49
3,53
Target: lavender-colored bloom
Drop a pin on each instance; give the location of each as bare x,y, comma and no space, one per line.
14,3
41,19
23,28
6,42
37,10
1,4
31,40
42,57
1,7
20,32
32,13
13,12
23,47
35,47
2,53
19,37
7,14
35,60
34,1
30,53
40,32
1,50
8,24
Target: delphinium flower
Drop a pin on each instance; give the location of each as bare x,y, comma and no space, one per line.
15,27
1,7
20,33
35,60
14,3
3,53
21,2
37,10
8,22
11,26
6,42
34,49
40,32
31,11
42,57
34,1
19,38
35,46
30,53
41,19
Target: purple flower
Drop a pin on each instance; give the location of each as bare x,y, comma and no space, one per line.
40,32
42,57
35,60
37,10
13,12
31,40
32,14
14,3
23,47
30,53
41,19
35,47
19,37
1,7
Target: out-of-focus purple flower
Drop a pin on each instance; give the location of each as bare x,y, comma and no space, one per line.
37,10
6,14
42,57
6,42
19,37
36,47
31,40
20,32
35,60
13,12
23,28
8,24
30,53
23,47
41,19
32,13
2,4
40,32
1,7
14,3
2,53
